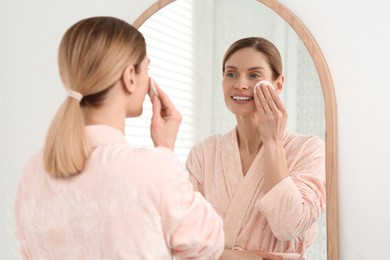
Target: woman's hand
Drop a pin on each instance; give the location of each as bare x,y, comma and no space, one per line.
272,114
272,125
166,121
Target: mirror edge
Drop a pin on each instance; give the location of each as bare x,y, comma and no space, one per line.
332,214
150,11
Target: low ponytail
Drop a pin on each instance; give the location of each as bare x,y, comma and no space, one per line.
92,56
67,147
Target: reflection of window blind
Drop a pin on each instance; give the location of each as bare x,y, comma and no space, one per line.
170,39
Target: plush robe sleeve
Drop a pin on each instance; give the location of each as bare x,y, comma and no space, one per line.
294,204
191,226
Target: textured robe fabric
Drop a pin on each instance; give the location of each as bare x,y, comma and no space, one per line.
128,203
282,221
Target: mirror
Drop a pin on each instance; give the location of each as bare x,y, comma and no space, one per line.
180,34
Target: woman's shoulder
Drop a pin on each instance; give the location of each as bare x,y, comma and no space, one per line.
303,138
30,175
34,162
147,166
294,141
143,155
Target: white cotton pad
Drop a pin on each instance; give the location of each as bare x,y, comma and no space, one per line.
266,82
152,88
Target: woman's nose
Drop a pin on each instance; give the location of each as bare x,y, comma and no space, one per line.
242,84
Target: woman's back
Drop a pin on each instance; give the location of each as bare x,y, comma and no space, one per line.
128,203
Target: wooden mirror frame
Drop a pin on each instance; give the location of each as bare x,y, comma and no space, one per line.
332,216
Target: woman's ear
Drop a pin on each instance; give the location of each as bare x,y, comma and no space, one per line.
279,83
128,79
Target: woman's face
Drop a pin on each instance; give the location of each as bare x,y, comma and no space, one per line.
243,70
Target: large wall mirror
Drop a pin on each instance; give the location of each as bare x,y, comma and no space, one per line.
186,41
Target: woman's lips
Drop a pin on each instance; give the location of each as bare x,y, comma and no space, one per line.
239,99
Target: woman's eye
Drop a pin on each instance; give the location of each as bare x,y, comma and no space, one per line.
231,75
254,76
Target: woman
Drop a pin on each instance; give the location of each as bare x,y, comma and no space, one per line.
265,182
90,195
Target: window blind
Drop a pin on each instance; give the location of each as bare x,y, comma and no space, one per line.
170,42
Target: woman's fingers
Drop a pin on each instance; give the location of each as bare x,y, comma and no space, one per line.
276,101
271,100
165,120
156,107
166,103
260,91
279,104
258,105
272,121
269,94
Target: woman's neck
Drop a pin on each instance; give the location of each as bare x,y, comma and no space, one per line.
110,115
248,135
112,112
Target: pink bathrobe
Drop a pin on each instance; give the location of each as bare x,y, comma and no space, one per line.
128,203
280,221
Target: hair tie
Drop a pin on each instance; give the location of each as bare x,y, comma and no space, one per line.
75,95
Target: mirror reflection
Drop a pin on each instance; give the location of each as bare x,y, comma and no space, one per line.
186,43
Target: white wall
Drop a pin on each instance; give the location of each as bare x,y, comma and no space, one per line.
352,34
354,37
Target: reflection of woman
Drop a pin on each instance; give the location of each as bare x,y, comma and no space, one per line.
90,195
265,182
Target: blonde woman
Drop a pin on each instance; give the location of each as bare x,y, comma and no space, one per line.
265,182
90,195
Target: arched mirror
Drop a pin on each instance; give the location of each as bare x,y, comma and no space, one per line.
186,42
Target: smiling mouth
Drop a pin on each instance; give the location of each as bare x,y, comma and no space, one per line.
239,98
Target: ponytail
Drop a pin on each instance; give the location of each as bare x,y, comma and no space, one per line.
67,147
92,56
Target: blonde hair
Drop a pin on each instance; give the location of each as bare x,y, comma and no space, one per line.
92,57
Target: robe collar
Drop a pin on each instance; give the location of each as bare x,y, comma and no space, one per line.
103,134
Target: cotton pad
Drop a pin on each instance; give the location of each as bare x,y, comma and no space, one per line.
152,88
266,82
